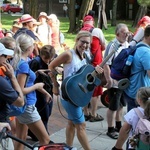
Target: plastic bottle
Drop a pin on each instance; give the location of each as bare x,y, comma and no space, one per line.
127,68
129,60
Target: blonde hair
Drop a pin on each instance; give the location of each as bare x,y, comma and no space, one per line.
23,42
82,34
144,95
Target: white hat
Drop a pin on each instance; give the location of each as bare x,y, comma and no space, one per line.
5,51
53,17
26,18
44,14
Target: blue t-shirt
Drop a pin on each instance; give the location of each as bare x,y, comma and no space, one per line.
7,96
23,68
139,77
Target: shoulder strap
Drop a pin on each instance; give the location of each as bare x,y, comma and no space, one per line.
138,112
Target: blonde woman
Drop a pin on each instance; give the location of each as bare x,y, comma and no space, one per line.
72,61
26,77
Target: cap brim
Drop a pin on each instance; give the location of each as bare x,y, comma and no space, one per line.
8,52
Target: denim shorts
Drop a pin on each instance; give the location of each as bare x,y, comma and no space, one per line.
30,115
75,114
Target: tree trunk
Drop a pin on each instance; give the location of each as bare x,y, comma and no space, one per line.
141,12
33,8
85,7
114,13
72,16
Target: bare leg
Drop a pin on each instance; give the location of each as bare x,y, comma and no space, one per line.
111,117
70,133
40,132
21,133
94,104
119,114
82,136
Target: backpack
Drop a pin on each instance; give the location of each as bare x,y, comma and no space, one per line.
40,77
121,66
142,130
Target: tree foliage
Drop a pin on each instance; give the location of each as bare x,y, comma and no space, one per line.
144,2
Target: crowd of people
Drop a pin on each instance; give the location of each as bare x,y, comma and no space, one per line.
30,61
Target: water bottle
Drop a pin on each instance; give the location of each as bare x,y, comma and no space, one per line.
127,68
129,60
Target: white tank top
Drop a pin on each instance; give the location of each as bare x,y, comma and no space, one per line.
75,64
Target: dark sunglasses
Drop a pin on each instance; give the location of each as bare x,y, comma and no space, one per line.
3,55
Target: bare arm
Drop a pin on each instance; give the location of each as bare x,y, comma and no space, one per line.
10,73
64,58
123,135
107,76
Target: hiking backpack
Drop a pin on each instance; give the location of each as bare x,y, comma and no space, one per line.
142,129
121,66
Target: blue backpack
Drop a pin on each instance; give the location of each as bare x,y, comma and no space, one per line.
121,65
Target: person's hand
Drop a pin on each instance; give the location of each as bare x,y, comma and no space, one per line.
3,125
39,86
108,84
99,69
9,72
48,98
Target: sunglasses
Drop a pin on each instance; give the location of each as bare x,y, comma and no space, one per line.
84,42
3,55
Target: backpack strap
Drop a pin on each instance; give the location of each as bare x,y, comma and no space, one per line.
138,112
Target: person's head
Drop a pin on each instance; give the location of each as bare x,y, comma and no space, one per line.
122,32
16,26
47,53
52,18
4,53
8,42
143,99
24,46
27,21
35,25
42,17
83,40
88,20
147,35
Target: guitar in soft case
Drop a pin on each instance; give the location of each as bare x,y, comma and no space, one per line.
78,89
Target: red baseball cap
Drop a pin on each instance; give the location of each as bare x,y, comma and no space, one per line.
88,18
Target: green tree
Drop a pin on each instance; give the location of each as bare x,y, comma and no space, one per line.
141,11
75,23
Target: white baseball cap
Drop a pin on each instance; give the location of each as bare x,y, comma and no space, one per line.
5,51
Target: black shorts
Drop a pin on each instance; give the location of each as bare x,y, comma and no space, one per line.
116,99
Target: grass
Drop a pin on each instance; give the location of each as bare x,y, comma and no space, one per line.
7,21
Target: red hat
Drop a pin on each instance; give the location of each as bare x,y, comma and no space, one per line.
144,19
26,18
88,18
